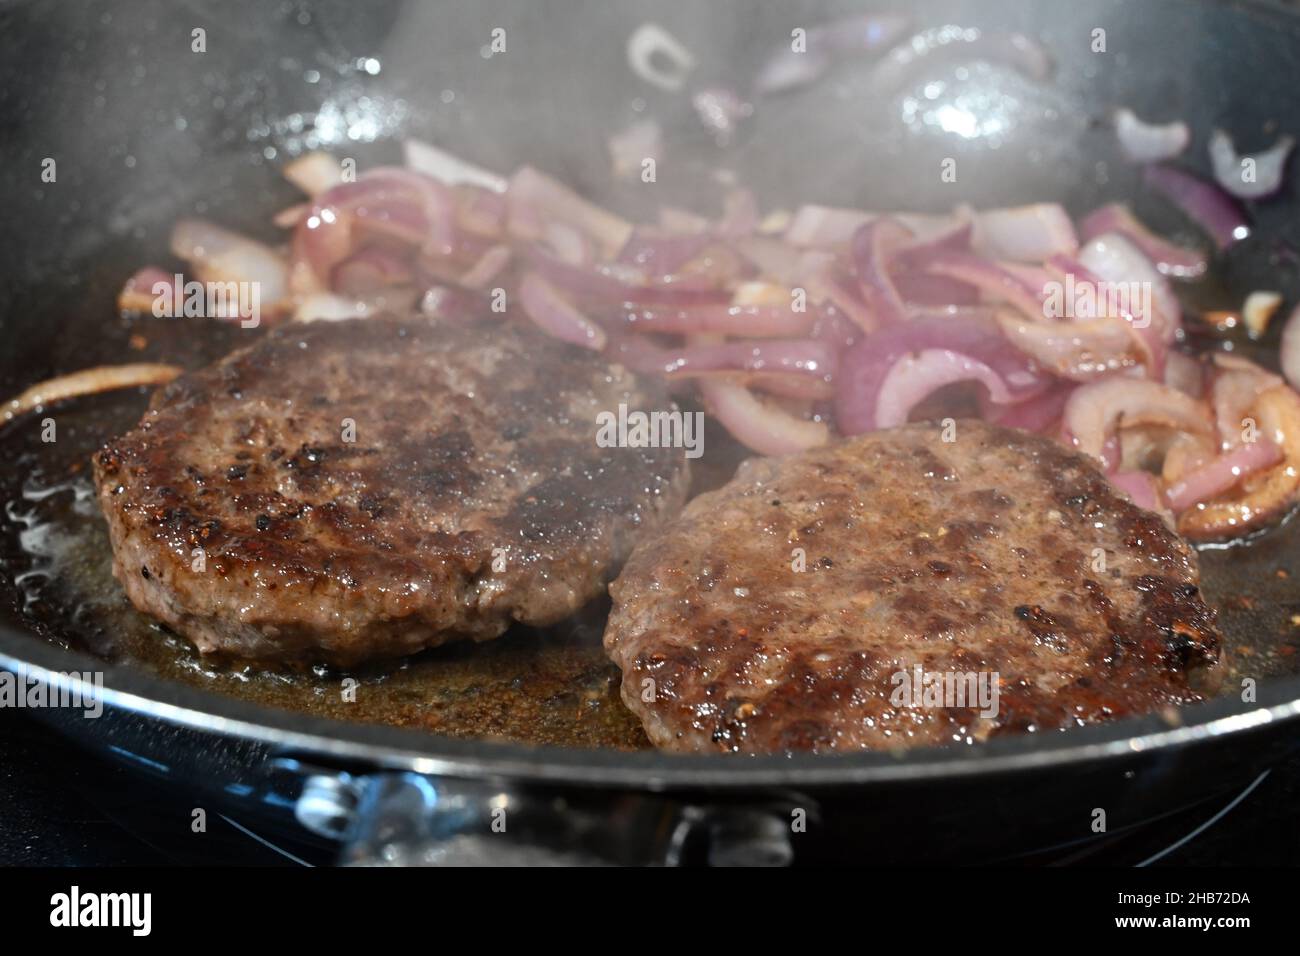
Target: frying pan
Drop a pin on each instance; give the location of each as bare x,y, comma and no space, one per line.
144,129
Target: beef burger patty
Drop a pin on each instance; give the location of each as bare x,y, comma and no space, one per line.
778,612
349,490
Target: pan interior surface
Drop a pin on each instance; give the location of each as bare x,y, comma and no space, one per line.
306,80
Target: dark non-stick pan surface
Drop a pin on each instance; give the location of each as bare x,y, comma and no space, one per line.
145,130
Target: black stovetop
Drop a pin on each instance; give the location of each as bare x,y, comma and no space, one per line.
62,807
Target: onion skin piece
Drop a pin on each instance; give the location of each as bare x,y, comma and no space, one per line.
1269,166
1263,498
90,381
1143,142
1290,351
763,427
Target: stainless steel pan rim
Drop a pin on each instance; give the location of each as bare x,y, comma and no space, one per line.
379,746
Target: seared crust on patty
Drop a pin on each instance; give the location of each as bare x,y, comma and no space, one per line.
1001,553
349,490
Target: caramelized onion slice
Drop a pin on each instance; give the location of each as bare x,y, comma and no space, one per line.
90,381
1264,497
1095,411
760,425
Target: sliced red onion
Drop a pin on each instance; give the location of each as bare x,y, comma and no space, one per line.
1223,473
536,199
290,216
450,170
822,226
388,201
481,212
88,381
1205,203
861,370
1148,142
553,313
995,282
1034,414
369,270
567,244
764,427
487,268
1140,486
915,377
1170,259
1080,351
625,284
781,262
648,45
1095,411
1116,260
314,173
455,305
657,253
219,255
954,44
1235,387
953,237
842,293
927,290
872,251
1185,374
1025,233
1266,168
1290,350
143,289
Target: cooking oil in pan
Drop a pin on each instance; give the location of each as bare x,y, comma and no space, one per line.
553,687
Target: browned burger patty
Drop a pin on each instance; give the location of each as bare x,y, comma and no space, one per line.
962,558
349,490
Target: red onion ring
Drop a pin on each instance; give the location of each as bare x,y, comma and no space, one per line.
1268,165
1149,142
915,377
